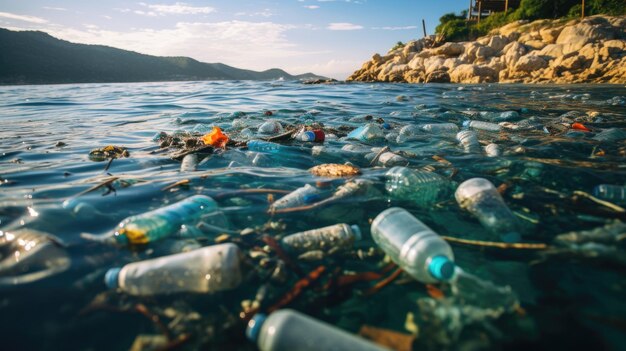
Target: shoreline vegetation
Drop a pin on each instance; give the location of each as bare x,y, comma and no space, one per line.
520,45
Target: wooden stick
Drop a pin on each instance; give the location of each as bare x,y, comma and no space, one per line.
610,205
381,284
501,245
178,183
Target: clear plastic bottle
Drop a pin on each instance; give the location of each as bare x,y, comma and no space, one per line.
299,197
270,126
480,197
469,141
413,246
493,150
612,193
287,330
334,236
311,135
163,222
265,146
206,270
410,130
480,125
190,163
368,132
439,128
420,187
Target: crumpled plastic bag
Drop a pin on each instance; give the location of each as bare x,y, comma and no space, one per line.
215,138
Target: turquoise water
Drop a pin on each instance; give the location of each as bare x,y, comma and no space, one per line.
570,299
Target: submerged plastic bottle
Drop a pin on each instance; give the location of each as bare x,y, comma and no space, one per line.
334,236
612,193
420,187
190,163
469,141
488,126
493,150
206,270
287,330
299,197
480,197
265,146
368,132
163,222
270,126
440,128
413,246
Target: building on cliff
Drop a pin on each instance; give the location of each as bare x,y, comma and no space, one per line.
481,8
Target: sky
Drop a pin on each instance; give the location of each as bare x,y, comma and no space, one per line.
327,37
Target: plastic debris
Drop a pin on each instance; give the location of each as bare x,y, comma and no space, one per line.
335,170
215,138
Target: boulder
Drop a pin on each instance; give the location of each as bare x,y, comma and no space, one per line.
530,63
440,76
549,35
511,30
550,51
512,52
575,37
535,44
416,63
473,74
498,42
450,49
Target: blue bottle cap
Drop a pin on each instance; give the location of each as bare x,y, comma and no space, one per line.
466,123
386,125
111,278
441,268
357,232
254,326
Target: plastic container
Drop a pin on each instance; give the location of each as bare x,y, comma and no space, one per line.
410,130
413,246
206,270
612,193
493,150
367,132
334,236
189,163
480,197
438,128
480,125
163,222
468,141
311,135
299,197
420,187
270,127
388,159
288,330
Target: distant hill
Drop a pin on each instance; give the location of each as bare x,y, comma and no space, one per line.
33,57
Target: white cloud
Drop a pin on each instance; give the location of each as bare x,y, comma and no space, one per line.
145,13
107,17
344,26
312,7
54,8
265,13
31,19
396,28
179,8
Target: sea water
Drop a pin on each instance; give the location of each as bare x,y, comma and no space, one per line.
47,132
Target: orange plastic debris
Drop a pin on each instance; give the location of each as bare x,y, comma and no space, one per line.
434,292
580,126
215,138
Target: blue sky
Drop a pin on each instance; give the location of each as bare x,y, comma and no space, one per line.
328,37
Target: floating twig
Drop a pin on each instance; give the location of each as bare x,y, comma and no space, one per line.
298,288
381,284
271,242
610,205
500,245
176,184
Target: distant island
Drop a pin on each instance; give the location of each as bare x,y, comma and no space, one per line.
34,57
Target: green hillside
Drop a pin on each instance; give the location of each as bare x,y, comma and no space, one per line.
33,57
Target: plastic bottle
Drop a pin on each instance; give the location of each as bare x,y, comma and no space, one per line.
469,141
265,146
190,163
413,246
480,197
367,132
163,222
420,187
612,193
205,270
438,128
493,150
410,130
311,135
299,197
334,236
389,159
488,126
270,127
287,330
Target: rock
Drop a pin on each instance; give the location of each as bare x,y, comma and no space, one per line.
511,30
574,63
530,63
498,42
535,44
412,47
440,76
549,35
450,49
551,51
512,52
589,30
473,74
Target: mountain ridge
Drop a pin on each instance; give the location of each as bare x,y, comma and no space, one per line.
36,57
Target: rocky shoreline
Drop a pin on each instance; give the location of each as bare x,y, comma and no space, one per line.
589,50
